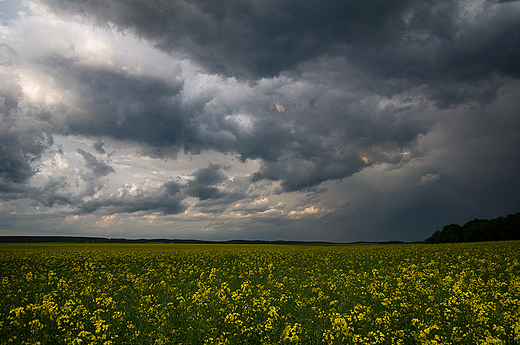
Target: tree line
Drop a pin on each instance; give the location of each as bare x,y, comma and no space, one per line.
479,230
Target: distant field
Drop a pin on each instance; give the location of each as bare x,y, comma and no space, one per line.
466,293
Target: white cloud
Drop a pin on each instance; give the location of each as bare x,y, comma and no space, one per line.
307,211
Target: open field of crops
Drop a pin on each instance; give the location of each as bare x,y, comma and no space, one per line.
231,294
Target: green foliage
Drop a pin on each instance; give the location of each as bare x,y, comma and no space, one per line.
479,230
248,294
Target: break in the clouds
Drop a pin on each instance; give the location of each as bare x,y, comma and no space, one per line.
330,120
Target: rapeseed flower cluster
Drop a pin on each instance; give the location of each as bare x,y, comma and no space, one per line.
466,293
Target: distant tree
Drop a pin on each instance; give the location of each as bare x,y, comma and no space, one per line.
449,234
477,230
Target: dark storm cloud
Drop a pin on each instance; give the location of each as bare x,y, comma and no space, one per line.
454,53
245,38
14,164
21,142
150,111
407,38
325,89
143,109
124,107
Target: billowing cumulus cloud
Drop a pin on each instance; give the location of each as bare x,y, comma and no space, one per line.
259,119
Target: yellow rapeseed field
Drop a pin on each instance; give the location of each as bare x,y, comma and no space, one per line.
260,294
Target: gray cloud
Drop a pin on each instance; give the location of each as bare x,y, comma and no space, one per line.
123,107
98,146
429,178
314,95
99,168
22,140
56,192
245,38
390,42
215,191
412,38
166,199
204,182
14,164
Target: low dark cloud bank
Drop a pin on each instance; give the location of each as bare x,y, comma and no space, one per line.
334,87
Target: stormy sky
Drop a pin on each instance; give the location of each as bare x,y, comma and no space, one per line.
257,119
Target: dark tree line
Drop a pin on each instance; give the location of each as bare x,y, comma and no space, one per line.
479,230
83,239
